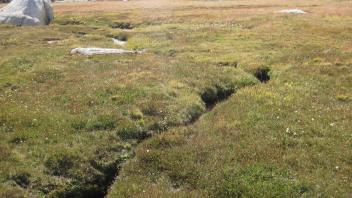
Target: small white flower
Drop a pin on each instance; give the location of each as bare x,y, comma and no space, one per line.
148,151
332,124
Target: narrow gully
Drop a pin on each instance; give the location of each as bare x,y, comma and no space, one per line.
211,97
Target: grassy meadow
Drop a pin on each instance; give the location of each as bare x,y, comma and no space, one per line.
195,115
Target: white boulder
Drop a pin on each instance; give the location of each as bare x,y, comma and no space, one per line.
27,12
292,11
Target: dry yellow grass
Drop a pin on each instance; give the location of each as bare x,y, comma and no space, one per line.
317,7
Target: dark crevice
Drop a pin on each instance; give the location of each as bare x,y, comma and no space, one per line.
212,96
121,25
97,185
262,74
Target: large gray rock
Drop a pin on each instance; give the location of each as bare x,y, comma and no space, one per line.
27,12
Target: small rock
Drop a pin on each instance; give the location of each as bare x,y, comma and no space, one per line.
52,42
292,11
119,42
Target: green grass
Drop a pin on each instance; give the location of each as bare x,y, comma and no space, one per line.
68,123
